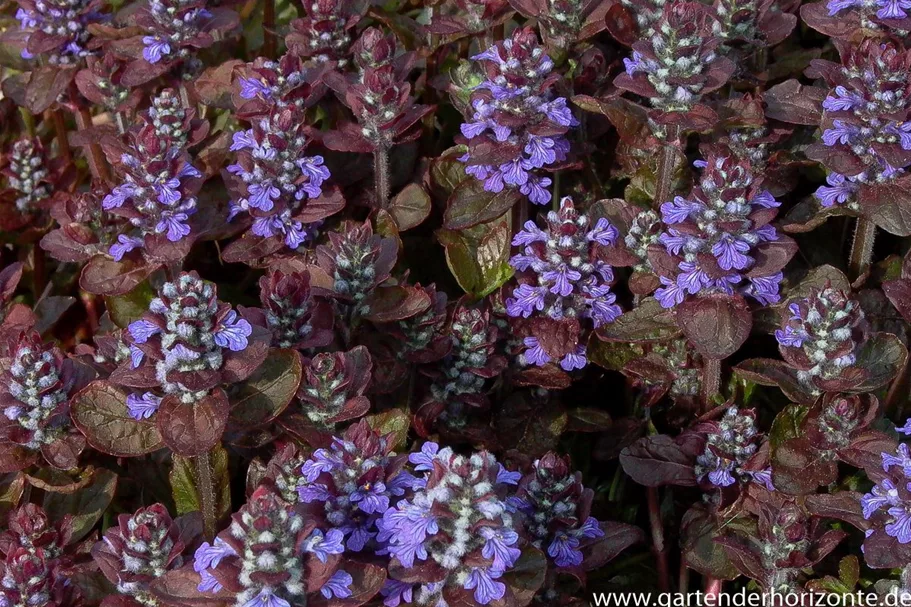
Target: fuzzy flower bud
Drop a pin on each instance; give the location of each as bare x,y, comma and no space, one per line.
36,386
296,315
519,117
186,335
333,387
730,444
556,507
821,336
27,174
141,548
678,64
323,33
358,261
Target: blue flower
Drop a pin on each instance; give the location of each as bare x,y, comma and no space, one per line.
535,354
486,588
339,585
141,330
499,545
323,545
155,48
839,191
423,461
209,556
232,332
564,549
143,406
396,593
124,245
266,598
370,497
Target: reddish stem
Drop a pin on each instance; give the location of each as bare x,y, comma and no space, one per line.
270,44
659,548
712,586
62,140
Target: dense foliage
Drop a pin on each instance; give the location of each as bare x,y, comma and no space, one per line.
452,302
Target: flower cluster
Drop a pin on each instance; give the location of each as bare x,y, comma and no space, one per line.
886,504
37,382
731,443
460,378
157,194
186,337
716,237
562,276
678,64
379,96
518,126
820,337
58,29
456,530
644,231
352,483
555,507
282,84
274,179
35,565
262,558
175,29
293,311
866,126
142,547
421,337
27,175
323,33
333,386
358,261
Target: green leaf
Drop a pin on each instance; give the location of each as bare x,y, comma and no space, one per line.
479,257
264,395
184,482
645,323
471,205
128,307
410,207
395,422
86,505
447,172
100,412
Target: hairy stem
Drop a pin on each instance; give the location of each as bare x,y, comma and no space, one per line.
62,140
39,271
667,160
381,177
97,163
659,549
206,488
269,42
683,582
711,381
862,247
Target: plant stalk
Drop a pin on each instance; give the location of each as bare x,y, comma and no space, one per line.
658,545
862,247
62,140
712,586
381,177
269,42
667,159
206,489
98,165
711,381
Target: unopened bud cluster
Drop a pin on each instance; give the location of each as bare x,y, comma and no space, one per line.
729,445
66,21
297,317
27,174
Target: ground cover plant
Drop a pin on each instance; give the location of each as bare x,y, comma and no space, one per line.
452,303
